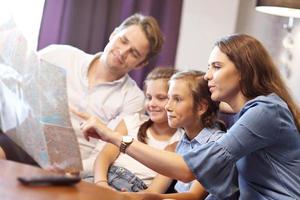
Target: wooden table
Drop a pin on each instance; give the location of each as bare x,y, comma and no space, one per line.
11,189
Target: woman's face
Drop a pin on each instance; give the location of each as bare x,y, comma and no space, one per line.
222,76
180,107
156,100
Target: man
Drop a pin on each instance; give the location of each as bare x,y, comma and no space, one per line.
99,84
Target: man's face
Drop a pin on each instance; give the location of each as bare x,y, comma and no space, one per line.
126,50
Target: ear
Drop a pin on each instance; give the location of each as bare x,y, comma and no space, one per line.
202,108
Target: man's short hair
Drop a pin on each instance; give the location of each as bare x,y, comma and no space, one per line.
150,27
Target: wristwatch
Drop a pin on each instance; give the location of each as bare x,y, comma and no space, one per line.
126,141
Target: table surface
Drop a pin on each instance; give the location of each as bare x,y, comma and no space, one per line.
11,189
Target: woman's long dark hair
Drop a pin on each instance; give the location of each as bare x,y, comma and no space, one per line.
157,73
259,75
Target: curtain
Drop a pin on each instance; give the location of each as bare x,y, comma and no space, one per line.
87,24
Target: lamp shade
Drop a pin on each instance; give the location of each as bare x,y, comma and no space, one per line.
286,8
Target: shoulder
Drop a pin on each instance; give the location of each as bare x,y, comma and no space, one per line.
133,122
268,107
131,87
58,52
130,83
265,115
178,134
211,134
59,48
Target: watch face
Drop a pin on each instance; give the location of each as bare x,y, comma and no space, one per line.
127,139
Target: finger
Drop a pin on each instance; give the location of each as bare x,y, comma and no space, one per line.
86,137
72,108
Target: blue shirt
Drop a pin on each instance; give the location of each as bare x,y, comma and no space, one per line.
185,144
264,144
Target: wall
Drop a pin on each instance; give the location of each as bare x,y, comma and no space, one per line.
269,30
294,80
202,23
27,15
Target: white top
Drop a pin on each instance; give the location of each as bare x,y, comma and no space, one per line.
133,123
110,101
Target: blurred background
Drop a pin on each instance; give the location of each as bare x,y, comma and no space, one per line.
190,28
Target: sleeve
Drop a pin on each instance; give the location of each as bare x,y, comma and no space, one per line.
214,163
133,103
59,55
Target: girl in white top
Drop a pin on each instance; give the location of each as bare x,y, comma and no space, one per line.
153,130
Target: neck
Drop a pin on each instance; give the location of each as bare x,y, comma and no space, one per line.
99,73
194,130
162,131
238,102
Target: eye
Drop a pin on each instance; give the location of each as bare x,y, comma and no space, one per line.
162,97
177,99
134,53
148,97
216,66
123,40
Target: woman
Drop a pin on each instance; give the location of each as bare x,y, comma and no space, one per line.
264,142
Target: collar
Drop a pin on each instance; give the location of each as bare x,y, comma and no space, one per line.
202,137
85,68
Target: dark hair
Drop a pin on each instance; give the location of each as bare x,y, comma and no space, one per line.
151,29
200,92
155,74
259,75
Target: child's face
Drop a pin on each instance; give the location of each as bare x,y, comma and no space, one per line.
180,107
156,99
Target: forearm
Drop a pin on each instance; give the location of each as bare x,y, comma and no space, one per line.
163,162
183,196
156,196
160,184
104,160
100,170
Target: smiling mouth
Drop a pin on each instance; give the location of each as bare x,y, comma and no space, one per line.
154,111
